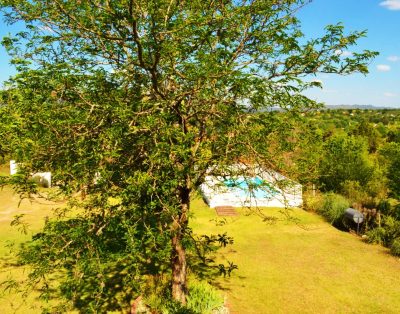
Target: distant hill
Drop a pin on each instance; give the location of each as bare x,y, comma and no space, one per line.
362,107
344,107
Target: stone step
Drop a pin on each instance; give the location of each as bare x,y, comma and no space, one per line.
225,211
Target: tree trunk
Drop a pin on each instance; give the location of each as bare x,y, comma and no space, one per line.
179,286
178,258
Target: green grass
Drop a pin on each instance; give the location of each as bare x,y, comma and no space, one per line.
283,268
10,237
306,268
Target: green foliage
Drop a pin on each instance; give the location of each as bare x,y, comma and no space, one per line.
313,203
203,298
359,195
81,244
385,207
391,153
376,236
355,192
366,129
395,247
392,227
386,234
345,158
173,307
396,211
333,208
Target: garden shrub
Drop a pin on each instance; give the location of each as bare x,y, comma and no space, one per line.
356,193
396,212
312,202
204,299
376,236
388,235
395,247
385,207
392,227
333,208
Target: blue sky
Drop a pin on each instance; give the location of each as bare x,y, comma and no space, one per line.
381,87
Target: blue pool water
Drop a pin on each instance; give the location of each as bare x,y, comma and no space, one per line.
250,187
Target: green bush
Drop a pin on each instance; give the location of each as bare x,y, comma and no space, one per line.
173,307
385,207
396,212
312,202
203,298
333,207
354,192
388,235
395,247
376,236
392,227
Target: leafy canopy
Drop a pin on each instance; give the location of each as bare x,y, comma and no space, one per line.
134,102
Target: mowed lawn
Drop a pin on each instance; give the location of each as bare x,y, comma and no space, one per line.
10,237
309,267
283,268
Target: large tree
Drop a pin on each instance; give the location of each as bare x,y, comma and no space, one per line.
145,98
391,153
345,158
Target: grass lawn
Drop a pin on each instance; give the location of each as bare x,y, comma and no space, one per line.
34,214
283,268
313,268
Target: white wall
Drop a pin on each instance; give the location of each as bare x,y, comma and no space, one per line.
13,167
44,178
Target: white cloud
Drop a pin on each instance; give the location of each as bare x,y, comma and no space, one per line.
46,28
317,81
343,53
391,4
383,67
393,58
347,54
389,94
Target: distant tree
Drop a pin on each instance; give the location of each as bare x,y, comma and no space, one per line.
391,153
393,134
345,158
7,124
145,98
369,132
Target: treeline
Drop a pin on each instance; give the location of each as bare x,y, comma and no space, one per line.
354,160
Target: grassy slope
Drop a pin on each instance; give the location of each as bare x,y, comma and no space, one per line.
34,214
284,268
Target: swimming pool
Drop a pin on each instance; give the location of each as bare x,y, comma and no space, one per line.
250,188
262,189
